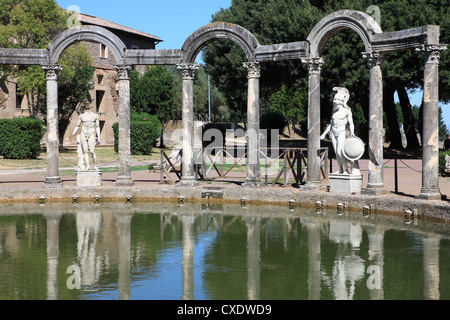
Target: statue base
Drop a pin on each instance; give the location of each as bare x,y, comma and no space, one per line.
345,183
89,178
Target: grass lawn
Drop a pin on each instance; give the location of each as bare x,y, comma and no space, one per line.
68,158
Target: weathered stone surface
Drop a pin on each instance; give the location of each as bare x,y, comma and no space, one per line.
219,30
282,51
24,56
405,39
345,183
153,57
124,176
362,23
93,33
187,109
90,178
53,179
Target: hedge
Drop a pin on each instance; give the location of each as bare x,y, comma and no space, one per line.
144,134
20,138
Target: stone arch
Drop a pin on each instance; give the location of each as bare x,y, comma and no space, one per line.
362,23
219,30
93,33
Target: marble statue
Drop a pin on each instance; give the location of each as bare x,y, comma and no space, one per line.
447,163
88,138
343,146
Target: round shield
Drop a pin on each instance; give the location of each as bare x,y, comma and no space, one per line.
353,148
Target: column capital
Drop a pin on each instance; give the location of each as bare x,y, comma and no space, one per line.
432,52
51,71
254,69
187,70
375,59
123,71
314,64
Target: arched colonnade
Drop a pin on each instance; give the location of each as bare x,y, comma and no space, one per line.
423,39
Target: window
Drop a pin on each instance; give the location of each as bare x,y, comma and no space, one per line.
98,100
103,51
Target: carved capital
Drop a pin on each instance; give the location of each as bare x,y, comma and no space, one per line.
187,71
254,69
432,52
314,64
375,59
51,72
123,71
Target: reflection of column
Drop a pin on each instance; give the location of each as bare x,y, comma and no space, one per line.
124,229
253,143
314,66
253,257
431,266
187,106
188,222
430,134
53,179
376,257
123,83
314,277
52,254
376,138
88,225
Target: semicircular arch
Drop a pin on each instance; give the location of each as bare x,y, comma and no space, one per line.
362,23
219,30
92,33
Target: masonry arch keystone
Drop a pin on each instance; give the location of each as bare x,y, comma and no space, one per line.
93,33
219,30
362,23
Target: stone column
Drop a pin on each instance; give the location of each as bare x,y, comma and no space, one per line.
124,175
375,183
53,179
430,133
187,105
253,143
314,66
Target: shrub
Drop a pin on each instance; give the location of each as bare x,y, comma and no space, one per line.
20,138
144,131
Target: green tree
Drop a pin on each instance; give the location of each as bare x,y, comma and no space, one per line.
30,24
153,93
278,21
292,104
443,131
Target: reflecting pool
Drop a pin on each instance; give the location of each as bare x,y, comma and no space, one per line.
168,251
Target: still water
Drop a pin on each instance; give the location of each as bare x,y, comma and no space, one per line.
155,251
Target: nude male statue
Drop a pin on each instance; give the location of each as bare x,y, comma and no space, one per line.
342,116
87,139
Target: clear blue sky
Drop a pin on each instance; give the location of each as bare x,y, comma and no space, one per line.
171,20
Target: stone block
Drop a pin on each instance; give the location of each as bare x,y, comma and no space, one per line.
346,183
89,178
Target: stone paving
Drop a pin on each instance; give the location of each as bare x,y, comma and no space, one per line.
409,178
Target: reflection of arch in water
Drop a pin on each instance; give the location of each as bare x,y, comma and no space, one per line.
219,30
92,33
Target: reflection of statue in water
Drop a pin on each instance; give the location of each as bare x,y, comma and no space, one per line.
87,139
342,116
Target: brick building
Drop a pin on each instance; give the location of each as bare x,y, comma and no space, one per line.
104,95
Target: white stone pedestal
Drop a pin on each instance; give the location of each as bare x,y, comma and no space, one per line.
89,178
345,183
